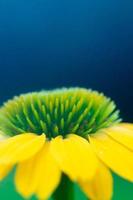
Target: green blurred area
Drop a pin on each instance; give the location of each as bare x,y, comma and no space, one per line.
123,190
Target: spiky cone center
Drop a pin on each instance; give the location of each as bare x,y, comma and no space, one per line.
58,112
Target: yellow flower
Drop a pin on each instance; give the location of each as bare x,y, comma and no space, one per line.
74,133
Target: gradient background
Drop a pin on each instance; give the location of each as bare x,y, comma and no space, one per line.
55,43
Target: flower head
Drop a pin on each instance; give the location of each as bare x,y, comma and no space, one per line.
74,133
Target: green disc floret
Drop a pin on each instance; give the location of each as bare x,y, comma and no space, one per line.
58,112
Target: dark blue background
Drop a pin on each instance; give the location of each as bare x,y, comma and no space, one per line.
53,43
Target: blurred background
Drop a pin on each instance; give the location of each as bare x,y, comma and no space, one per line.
46,44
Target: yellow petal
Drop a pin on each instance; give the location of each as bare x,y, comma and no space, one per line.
101,186
24,175
127,125
2,136
4,170
122,133
20,147
39,175
113,154
74,156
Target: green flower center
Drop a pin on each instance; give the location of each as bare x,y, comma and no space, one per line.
58,112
